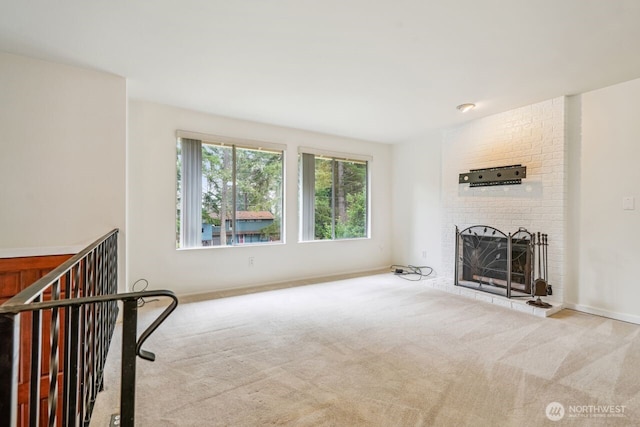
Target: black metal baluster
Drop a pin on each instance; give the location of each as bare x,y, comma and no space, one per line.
72,374
102,323
88,366
68,294
95,327
36,360
82,345
54,354
128,376
70,413
90,328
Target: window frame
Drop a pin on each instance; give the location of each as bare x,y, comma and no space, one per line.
234,143
306,182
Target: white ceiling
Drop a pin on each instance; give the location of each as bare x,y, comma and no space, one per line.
378,70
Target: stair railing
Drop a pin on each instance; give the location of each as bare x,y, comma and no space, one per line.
78,303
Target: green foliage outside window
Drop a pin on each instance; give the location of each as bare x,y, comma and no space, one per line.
340,199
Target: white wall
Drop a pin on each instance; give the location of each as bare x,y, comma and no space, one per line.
417,207
62,156
604,170
151,209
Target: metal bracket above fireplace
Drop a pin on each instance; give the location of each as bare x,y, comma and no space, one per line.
504,175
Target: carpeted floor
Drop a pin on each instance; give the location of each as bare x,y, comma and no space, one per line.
378,351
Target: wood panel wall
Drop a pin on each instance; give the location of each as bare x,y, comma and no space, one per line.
17,274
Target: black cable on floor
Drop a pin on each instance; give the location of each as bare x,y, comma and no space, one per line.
142,301
411,272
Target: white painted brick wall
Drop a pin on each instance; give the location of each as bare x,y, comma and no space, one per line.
533,136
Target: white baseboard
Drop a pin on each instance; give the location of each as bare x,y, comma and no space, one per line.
604,313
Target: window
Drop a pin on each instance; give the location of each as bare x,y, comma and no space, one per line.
334,196
229,192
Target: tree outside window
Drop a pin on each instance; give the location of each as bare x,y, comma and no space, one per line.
334,198
240,194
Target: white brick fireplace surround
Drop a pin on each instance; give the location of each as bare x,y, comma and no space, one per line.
533,136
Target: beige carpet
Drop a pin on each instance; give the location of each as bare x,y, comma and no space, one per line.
378,351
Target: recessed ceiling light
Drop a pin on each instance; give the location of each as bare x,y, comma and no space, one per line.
466,107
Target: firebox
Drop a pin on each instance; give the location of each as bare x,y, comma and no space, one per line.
489,260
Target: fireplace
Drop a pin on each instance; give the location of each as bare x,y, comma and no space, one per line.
489,260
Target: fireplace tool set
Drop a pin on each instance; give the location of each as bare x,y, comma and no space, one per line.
541,287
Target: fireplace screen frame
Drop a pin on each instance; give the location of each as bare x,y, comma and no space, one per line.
491,261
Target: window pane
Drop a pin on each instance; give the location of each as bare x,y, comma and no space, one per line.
350,202
217,195
258,196
323,198
232,196
333,198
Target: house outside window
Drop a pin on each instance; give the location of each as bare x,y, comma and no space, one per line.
334,195
229,191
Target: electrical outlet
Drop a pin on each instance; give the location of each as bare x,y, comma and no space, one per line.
628,203
115,420
251,259
424,254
